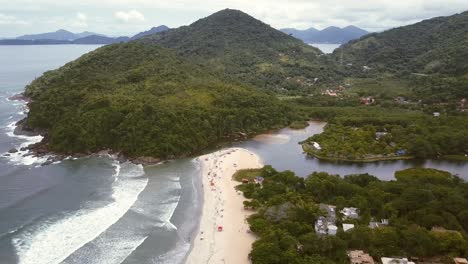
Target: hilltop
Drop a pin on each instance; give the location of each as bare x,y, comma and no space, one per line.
243,49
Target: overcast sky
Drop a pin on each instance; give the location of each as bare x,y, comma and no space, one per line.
127,17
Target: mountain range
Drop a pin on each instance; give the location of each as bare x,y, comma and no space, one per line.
331,34
62,36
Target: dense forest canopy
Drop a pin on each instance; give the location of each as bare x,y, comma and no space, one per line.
436,45
144,100
426,211
243,49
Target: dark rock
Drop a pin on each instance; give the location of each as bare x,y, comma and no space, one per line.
20,97
146,161
13,150
7,155
22,128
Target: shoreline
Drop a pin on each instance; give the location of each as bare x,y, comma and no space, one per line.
223,207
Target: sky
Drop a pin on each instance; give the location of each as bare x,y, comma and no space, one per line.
128,17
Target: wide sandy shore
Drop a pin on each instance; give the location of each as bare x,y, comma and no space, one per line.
223,207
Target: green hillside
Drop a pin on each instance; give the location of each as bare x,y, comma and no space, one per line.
243,49
437,45
429,61
144,100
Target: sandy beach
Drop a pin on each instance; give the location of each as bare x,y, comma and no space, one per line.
223,207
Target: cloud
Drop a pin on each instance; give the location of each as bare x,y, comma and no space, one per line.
373,15
129,17
80,21
11,20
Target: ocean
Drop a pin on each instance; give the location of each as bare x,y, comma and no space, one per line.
87,210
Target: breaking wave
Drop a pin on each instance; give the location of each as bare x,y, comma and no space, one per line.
52,241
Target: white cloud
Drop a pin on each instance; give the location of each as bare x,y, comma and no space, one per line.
130,16
11,20
374,15
81,21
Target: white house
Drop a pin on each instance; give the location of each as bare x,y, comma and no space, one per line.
347,227
350,212
396,261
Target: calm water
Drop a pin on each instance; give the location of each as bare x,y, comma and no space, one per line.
90,210
94,210
281,149
326,48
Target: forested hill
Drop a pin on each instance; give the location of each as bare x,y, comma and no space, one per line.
144,100
241,48
437,45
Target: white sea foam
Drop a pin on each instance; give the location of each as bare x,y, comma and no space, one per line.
117,243
52,242
24,157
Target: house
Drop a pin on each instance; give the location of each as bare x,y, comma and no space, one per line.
400,100
462,104
374,224
400,152
360,257
350,212
436,114
379,135
332,229
367,100
460,261
326,225
347,227
259,180
396,261
316,145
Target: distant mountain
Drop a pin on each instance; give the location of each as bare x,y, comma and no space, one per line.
153,30
33,42
60,34
95,39
328,35
66,37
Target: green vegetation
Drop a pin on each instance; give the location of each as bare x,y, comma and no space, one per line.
240,48
144,100
249,174
416,202
423,62
376,133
